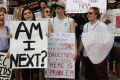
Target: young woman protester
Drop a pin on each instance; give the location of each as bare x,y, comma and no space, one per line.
46,13
117,52
4,35
17,16
94,71
28,15
61,23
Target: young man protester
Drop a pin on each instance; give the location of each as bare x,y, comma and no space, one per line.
61,23
43,5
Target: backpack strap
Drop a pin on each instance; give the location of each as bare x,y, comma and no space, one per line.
6,29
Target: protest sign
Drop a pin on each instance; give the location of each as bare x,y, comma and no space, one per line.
28,47
82,6
97,44
8,18
118,22
61,49
5,70
111,15
33,4
14,3
43,19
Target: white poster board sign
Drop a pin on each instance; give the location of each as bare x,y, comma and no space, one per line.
111,15
8,18
97,44
5,70
43,19
82,6
61,49
28,47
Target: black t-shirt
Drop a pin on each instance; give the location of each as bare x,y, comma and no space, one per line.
81,22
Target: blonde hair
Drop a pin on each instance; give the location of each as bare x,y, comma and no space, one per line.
43,12
97,11
17,15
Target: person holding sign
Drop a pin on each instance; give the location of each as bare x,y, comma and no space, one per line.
28,15
95,53
61,23
43,5
47,13
5,35
17,15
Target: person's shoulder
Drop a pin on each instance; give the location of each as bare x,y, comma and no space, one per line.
70,18
102,24
37,13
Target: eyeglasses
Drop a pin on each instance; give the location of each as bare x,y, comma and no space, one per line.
48,11
90,13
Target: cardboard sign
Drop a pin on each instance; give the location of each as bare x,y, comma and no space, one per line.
8,18
117,21
111,15
5,70
97,44
28,47
82,6
61,49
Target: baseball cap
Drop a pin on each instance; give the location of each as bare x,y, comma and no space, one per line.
59,4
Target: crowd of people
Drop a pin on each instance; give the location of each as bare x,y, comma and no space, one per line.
77,23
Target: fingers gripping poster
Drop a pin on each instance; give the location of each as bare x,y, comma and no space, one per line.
28,47
97,44
5,70
61,49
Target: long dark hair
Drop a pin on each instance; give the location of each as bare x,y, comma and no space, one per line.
27,8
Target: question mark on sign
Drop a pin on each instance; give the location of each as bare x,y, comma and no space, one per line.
43,57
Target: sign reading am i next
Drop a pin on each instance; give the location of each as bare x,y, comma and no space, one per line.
28,47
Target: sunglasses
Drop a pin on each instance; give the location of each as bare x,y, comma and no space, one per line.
90,13
48,11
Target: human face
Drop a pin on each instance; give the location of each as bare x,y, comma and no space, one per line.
4,11
28,15
47,13
112,5
1,17
91,15
43,5
1,1
59,10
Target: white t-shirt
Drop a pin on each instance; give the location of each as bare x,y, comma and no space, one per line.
38,15
88,27
61,26
49,4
